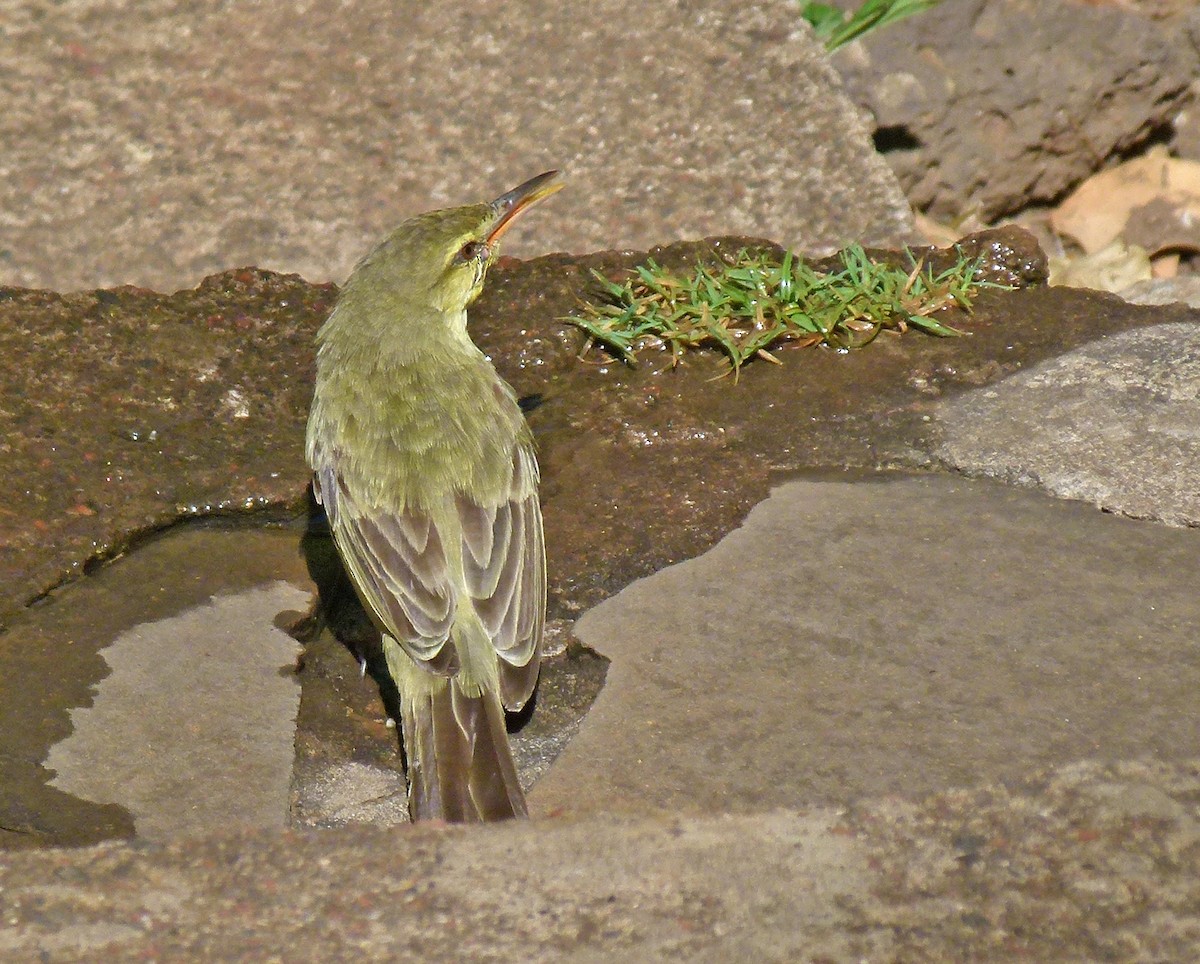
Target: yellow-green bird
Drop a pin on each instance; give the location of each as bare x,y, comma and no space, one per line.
426,469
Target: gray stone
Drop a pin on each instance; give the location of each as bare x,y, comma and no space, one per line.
1165,291
887,637
1033,870
1115,423
157,144
765,888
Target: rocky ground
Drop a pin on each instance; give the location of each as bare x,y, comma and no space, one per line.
977,124
889,655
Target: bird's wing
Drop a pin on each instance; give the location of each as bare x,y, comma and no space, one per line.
397,563
504,563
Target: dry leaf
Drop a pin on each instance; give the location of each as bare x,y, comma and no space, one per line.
934,232
1113,268
1152,201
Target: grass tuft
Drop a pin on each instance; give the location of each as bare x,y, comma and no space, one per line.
746,308
836,28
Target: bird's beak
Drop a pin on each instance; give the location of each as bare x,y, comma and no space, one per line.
508,206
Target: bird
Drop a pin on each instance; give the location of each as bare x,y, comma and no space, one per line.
426,469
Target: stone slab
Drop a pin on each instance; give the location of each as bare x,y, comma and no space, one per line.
1088,862
903,636
158,143
1115,423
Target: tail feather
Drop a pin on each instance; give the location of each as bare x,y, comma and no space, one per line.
460,764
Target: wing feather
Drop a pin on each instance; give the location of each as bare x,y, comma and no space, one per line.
487,532
398,565
504,569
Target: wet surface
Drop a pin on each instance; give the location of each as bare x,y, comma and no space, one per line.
127,410
196,404
349,764
161,682
645,467
52,661
192,730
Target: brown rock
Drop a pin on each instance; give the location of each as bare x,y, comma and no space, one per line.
988,106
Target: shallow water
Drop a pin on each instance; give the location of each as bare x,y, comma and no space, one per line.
158,696
148,686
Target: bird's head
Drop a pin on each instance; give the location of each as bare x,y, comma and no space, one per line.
439,259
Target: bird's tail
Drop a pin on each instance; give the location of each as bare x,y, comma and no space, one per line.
460,764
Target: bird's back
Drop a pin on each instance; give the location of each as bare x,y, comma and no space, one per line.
403,437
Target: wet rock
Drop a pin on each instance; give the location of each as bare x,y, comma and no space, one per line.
349,764
120,420
644,467
192,730
148,701
128,410
1007,256
974,120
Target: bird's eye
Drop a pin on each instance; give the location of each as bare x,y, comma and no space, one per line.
472,251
